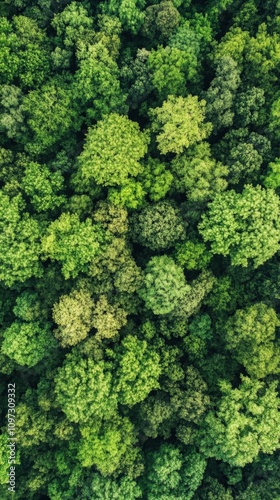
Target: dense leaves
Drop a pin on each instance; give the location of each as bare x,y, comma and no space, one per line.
139,249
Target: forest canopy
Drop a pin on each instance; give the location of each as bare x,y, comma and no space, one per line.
139,247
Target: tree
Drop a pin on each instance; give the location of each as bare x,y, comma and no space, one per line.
129,195
129,12
169,67
108,319
249,107
83,389
179,123
12,116
158,226
137,372
164,285
197,174
250,335
109,446
112,151
96,82
137,78
42,186
192,254
173,474
28,306
28,343
19,241
72,25
105,488
156,179
25,53
243,225
221,93
51,114
73,243
160,21
74,316
272,178
245,423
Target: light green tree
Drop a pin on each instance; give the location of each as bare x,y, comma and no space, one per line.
72,243
250,335
28,343
164,285
83,389
246,422
19,241
243,225
138,370
179,123
112,151
109,446
197,174
74,316
42,186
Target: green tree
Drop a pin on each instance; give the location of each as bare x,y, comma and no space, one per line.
112,151
179,123
169,67
51,114
109,489
72,243
197,174
160,21
173,474
221,93
12,116
250,335
72,25
28,343
83,389
243,225
109,446
245,423
74,316
96,82
272,178
42,186
25,52
192,254
156,179
19,241
108,319
158,226
137,372
164,285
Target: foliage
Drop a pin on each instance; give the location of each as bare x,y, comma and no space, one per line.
198,175
138,370
28,343
139,248
179,122
164,285
112,151
243,225
83,389
158,226
19,241
73,315
245,423
249,335
73,243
